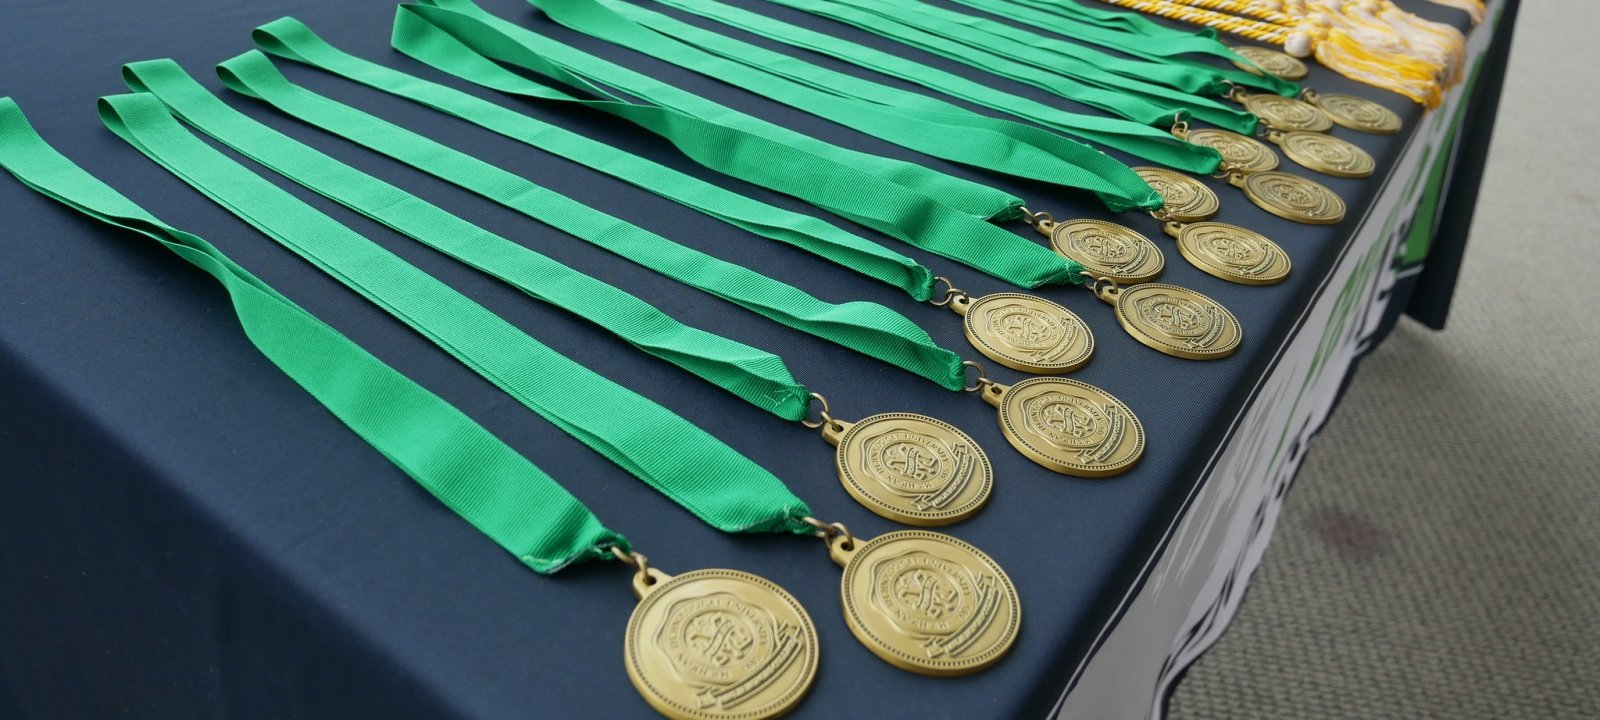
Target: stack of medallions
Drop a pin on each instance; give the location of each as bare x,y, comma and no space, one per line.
726,643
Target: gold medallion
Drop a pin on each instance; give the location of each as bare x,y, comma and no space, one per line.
1241,153
1325,154
1177,321
911,468
1231,252
1287,114
1025,332
927,602
1291,197
1273,62
1356,113
1107,249
719,645
1071,427
1183,198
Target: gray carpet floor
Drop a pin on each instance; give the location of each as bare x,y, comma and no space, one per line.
1439,555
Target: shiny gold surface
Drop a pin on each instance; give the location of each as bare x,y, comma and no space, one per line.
719,645
1276,63
1108,249
1026,332
1292,197
1240,153
1356,113
1231,252
1184,199
927,602
1287,114
1068,426
1326,154
1175,320
911,468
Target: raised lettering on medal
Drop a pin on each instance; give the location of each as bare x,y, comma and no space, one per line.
720,645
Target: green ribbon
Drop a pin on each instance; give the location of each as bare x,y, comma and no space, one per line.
815,236
678,459
908,119
466,467
989,46
756,376
1131,33
460,38
866,327
899,204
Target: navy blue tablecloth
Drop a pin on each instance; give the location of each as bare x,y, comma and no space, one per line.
184,533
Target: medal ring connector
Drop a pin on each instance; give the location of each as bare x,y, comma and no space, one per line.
831,531
981,382
951,292
823,416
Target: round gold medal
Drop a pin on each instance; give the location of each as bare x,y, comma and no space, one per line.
1183,198
1287,114
1293,198
911,468
1233,253
1177,321
1106,249
1327,154
927,602
1357,113
1244,154
1028,333
719,645
1067,426
1273,62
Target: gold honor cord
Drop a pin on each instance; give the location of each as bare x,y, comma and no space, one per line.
883,623
490,485
1373,41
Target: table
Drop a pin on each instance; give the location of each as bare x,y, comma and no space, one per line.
186,533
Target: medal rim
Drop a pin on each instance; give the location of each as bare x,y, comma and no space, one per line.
1221,272
912,663
981,343
1152,342
1215,203
1392,124
1321,123
1008,428
1318,165
882,508
1267,149
1159,266
1300,69
633,635
1288,213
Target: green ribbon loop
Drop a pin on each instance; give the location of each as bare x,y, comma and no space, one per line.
1000,49
466,467
896,203
1134,34
672,455
925,124
866,327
